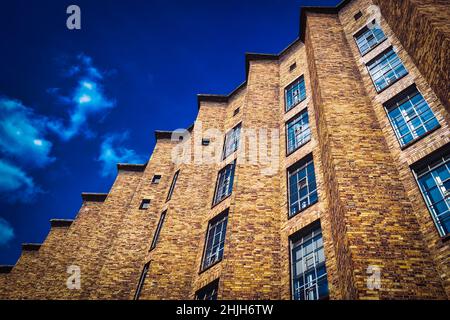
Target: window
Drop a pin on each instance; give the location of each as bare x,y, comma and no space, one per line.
434,181
385,69
215,240
369,37
224,184
298,131
205,142
231,141
236,111
208,292
357,15
292,67
172,185
145,204
158,230
302,185
410,116
295,93
309,274
156,179
141,281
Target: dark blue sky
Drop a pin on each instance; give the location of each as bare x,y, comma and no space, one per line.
73,103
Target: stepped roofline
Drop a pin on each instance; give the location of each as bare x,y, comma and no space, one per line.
6,268
95,197
60,223
31,246
139,167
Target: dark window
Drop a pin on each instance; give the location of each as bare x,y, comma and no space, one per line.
298,131
231,141
386,69
433,178
293,66
156,179
172,185
224,184
208,292
410,116
215,240
302,185
295,93
141,281
309,274
205,142
369,37
158,230
358,15
145,204
236,111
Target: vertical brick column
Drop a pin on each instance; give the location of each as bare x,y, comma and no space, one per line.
252,264
372,221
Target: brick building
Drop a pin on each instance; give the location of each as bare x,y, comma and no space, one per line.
324,175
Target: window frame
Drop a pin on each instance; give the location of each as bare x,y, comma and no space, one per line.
288,87
232,133
294,239
157,233
378,57
214,285
172,185
141,281
362,31
292,119
302,163
395,102
220,218
156,179
431,163
215,201
145,202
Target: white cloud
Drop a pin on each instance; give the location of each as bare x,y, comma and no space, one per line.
22,134
6,232
16,184
112,152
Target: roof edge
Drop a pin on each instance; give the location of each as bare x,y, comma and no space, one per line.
139,167
6,268
94,197
31,246
60,223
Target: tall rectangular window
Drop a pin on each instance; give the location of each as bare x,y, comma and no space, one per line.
172,185
215,240
309,274
209,292
410,116
224,184
298,131
434,180
158,230
302,185
369,37
385,69
295,93
231,141
141,281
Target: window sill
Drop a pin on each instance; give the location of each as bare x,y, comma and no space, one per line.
294,105
309,206
299,147
390,84
222,200
409,144
210,266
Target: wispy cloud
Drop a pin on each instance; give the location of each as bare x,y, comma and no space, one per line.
22,134
6,232
16,184
112,152
84,101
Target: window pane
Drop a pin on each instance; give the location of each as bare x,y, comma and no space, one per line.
298,131
386,69
302,186
369,38
224,184
295,93
410,116
215,241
